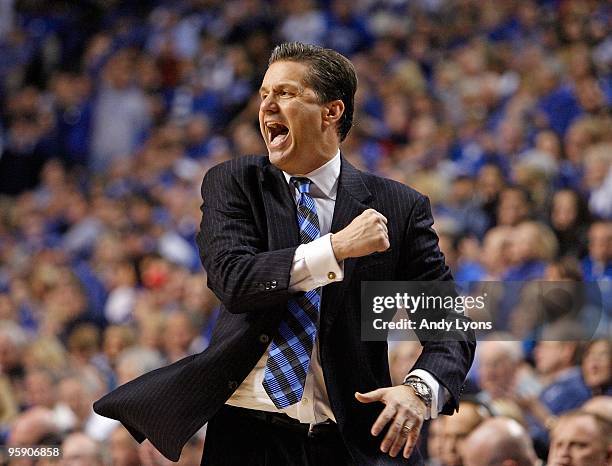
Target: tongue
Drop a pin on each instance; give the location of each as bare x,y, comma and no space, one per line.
279,139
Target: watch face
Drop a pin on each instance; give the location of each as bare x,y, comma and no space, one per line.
422,390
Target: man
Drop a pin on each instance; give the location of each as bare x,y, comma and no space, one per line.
122,449
279,381
457,427
78,449
499,441
601,405
563,387
581,439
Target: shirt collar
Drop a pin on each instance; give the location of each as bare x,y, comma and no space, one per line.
324,179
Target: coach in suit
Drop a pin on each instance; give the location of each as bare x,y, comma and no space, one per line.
286,241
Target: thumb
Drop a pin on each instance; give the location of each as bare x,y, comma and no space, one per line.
374,395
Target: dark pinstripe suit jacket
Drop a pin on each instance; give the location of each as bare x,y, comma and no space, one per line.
247,241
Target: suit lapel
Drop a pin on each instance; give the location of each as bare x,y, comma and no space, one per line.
352,199
281,216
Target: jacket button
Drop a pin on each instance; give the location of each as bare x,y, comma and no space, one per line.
331,275
264,338
232,385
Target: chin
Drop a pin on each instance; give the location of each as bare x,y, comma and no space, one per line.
280,159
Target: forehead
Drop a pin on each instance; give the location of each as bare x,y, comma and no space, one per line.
463,422
285,72
582,428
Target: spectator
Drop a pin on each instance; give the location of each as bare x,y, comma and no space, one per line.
134,361
601,405
598,179
514,206
597,265
79,396
457,427
498,360
580,439
568,218
596,367
435,439
123,449
499,441
120,114
34,426
532,244
495,252
80,450
562,387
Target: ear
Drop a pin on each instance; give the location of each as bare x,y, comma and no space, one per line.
332,112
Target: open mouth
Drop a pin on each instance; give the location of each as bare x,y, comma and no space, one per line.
277,133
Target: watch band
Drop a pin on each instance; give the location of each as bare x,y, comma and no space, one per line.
421,389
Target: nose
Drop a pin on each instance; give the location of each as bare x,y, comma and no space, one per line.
268,104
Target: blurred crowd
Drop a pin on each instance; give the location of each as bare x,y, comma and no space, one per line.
112,111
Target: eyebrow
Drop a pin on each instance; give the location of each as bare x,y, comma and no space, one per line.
280,85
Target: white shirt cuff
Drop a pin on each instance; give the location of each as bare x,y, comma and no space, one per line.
315,265
321,261
439,393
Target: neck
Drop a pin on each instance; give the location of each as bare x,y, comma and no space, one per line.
317,162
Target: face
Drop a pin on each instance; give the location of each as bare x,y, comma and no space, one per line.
600,241
512,208
123,448
496,370
547,356
596,364
455,429
299,132
522,243
434,438
577,442
564,211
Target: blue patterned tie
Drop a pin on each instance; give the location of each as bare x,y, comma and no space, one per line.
289,355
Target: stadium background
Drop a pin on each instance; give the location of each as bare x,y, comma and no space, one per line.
112,111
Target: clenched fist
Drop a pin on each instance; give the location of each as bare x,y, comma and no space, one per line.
366,234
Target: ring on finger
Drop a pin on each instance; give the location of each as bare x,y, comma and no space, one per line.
407,427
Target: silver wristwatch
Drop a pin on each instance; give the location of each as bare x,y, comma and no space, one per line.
421,389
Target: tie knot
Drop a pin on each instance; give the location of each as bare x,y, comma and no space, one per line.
302,184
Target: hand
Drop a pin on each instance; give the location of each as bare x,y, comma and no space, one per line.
367,233
402,408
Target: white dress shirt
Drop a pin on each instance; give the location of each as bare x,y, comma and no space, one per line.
313,264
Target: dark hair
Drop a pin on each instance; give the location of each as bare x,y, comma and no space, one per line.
331,75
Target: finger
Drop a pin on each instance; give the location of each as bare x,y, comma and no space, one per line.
401,437
383,418
369,397
395,434
411,440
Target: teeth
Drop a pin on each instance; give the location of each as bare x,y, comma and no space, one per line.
275,129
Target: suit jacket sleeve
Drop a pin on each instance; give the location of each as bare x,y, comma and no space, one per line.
241,272
446,355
